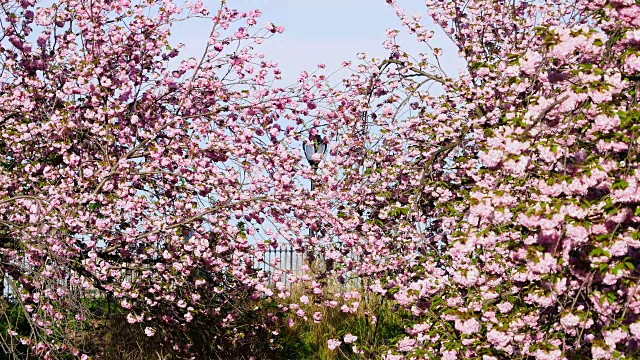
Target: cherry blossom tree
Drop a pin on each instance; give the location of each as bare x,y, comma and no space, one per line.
119,155
502,216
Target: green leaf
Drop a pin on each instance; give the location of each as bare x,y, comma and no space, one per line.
595,252
617,268
620,184
603,267
611,297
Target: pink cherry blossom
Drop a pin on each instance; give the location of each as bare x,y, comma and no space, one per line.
348,338
332,344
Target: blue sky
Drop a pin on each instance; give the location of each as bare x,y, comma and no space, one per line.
327,31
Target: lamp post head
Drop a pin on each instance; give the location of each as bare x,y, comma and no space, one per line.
318,146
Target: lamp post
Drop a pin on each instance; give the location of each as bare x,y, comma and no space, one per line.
317,147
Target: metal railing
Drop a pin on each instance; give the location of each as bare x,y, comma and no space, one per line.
284,258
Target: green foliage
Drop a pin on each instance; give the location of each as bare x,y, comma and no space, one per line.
12,319
308,340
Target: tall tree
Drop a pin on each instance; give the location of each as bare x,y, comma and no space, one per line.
117,158
502,215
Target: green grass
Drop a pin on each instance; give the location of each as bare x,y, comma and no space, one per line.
308,340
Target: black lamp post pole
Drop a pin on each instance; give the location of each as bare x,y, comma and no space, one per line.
310,229
317,147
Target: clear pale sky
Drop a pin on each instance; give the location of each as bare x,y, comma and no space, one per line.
323,31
